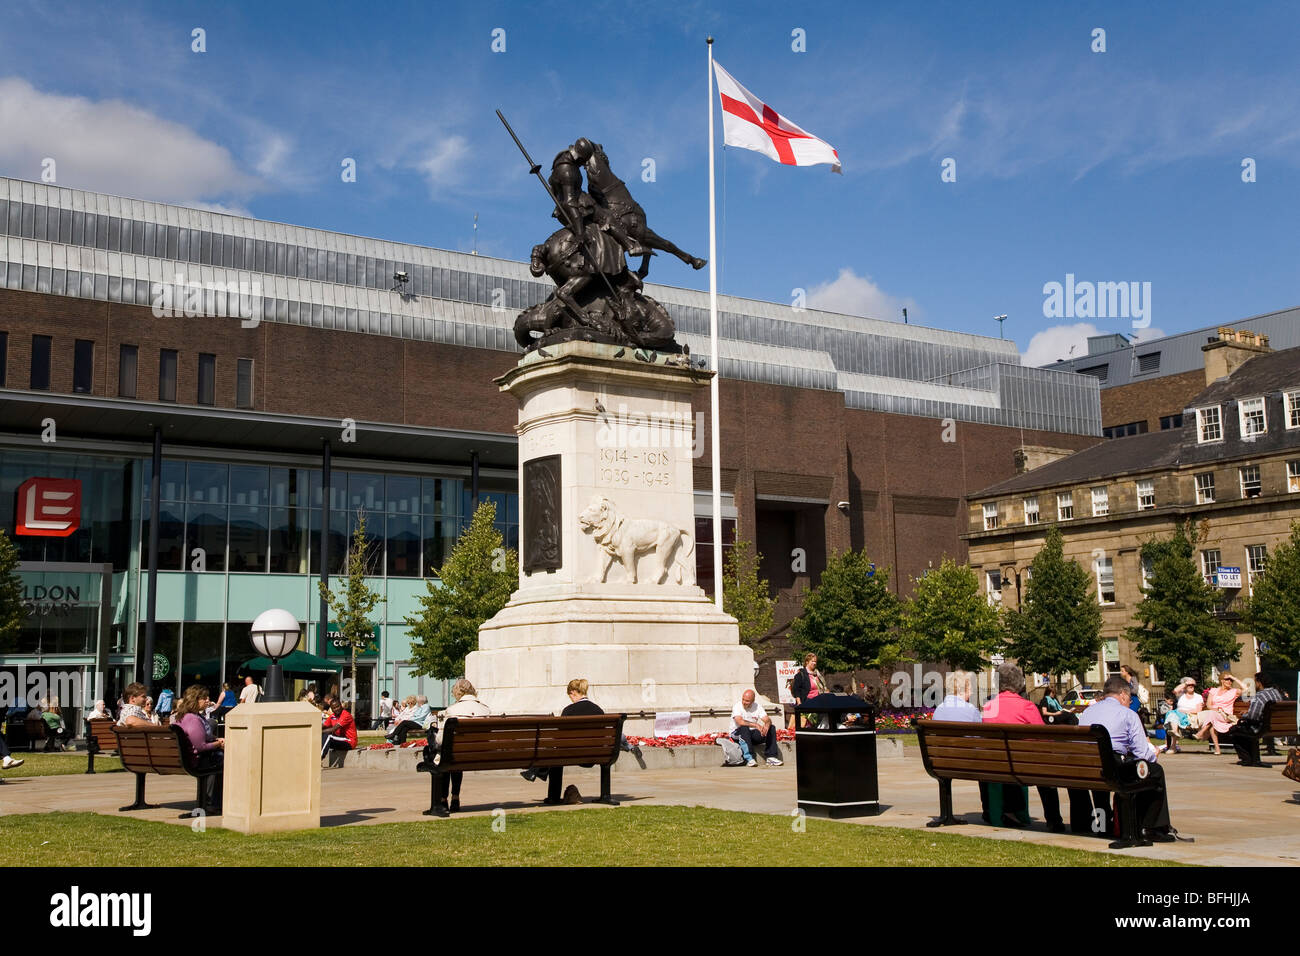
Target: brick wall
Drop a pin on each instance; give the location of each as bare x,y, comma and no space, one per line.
1148,401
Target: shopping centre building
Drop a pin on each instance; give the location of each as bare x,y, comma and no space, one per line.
320,374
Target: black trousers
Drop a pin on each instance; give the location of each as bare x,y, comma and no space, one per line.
399,732
454,779
754,738
1246,744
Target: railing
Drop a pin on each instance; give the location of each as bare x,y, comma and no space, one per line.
1229,609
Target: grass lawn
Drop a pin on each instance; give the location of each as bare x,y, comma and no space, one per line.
626,836
50,765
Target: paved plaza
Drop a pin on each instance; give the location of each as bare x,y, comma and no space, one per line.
1237,816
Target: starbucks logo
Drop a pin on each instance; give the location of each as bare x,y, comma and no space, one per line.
161,666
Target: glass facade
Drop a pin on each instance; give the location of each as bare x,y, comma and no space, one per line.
112,249
234,539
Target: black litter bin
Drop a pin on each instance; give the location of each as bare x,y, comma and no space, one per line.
836,768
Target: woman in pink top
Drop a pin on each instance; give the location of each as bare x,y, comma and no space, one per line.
1218,718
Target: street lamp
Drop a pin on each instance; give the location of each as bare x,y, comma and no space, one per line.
1007,580
275,635
999,319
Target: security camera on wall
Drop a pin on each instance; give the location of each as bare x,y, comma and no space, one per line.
843,506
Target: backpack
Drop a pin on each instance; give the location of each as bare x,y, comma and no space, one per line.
731,753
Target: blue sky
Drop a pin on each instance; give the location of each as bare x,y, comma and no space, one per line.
1123,165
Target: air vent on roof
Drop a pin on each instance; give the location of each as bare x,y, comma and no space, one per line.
1099,372
1149,362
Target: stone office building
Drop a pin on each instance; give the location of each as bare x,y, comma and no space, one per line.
1234,464
375,360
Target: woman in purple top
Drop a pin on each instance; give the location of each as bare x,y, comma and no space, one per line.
190,715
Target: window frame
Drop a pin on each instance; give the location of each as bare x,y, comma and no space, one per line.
1255,404
1103,501
1201,488
1064,499
1146,499
1257,481
207,377
1251,571
991,516
1206,561
993,595
1097,568
1291,408
1034,511
240,366
47,347
1293,476
175,356
124,349
1201,415
83,366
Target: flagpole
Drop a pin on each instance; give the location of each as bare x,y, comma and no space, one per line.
715,438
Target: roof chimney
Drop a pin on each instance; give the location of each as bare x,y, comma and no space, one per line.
1029,457
1233,348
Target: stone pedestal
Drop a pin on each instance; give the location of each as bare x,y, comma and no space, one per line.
272,773
607,586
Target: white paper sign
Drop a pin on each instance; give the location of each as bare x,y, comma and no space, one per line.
785,671
1229,577
671,722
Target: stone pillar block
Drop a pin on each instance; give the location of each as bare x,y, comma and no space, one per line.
272,772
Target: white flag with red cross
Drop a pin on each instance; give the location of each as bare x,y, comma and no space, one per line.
750,123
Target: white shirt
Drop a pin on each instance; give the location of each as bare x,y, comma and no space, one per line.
740,712
249,694
1192,704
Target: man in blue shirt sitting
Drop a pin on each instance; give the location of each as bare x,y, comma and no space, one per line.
1128,738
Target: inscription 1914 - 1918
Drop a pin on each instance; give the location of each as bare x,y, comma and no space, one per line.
542,534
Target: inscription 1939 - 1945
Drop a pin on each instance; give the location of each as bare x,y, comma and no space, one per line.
542,534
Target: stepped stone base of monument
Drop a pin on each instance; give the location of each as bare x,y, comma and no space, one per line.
642,648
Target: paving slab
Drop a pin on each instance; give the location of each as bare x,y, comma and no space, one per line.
1237,816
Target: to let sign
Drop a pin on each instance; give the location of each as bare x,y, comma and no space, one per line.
48,507
1229,577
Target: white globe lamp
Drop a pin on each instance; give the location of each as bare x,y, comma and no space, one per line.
275,635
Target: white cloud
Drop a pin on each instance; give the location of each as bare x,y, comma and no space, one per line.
112,146
444,165
1071,341
852,294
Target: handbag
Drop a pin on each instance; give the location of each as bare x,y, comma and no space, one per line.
1292,769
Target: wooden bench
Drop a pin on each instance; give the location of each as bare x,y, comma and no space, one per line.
100,739
525,743
1278,720
36,730
1077,758
165,751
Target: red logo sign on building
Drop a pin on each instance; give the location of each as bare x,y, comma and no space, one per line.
48,507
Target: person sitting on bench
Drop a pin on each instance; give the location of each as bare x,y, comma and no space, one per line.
208,747
467,705
1245,736
415,722
1129,740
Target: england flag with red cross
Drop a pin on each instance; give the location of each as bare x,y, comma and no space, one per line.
750,123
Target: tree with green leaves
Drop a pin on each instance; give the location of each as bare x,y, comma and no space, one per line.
850,620
1058,628
474,583
948,619
354,603
1273,611
745,595
1177,630
12,612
